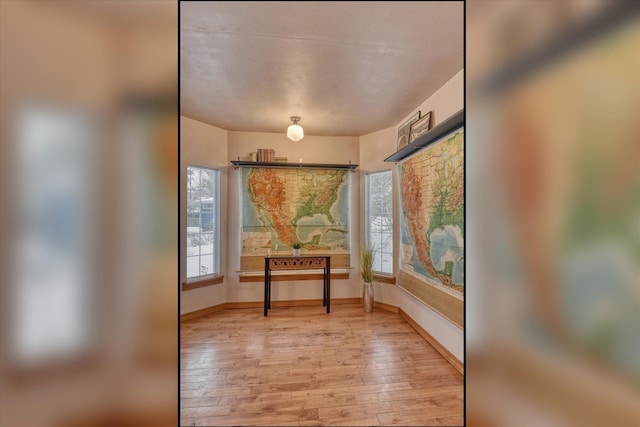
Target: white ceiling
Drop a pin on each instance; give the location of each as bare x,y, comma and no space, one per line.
346,68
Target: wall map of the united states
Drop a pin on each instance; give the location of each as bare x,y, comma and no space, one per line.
284,206
432,231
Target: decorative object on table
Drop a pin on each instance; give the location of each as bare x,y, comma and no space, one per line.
296,248
367,277
403,130
420,127
295,131
253,156
281,159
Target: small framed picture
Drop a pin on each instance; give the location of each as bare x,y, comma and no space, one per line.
420,127
403,130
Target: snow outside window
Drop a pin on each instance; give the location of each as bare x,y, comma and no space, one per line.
380,220
202,222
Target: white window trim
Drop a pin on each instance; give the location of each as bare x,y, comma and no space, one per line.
368,222
216,219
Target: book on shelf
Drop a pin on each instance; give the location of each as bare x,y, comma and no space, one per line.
266,154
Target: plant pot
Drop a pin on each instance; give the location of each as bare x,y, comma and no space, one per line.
296,252
367,297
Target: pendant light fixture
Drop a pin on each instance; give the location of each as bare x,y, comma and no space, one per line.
295,131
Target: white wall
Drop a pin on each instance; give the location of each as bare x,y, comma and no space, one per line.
311,149
374,148
203,145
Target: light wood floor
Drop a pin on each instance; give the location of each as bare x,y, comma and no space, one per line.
302,366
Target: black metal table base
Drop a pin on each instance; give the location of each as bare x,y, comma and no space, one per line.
298,263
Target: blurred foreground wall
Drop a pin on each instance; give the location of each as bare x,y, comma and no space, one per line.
553,209
88,202
88,195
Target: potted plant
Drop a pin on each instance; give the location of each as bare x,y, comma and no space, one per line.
367,276
296,248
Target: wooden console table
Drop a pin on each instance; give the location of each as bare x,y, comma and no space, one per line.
303,262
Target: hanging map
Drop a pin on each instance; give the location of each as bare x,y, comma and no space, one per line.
432,219
282,206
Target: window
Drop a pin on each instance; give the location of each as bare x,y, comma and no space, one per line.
380,220
202,222
52,309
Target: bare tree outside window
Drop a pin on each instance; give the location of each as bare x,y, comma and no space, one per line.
380,220
202,222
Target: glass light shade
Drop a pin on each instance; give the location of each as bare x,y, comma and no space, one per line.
295,132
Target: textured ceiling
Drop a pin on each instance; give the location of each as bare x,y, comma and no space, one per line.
346,68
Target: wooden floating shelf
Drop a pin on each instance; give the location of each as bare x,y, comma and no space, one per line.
243,163
452,123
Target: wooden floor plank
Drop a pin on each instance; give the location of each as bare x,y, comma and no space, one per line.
302,366
348,421
195,402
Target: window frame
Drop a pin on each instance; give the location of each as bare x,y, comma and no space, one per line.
215,277
368,236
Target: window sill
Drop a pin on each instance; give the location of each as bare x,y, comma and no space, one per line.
383,278
202,283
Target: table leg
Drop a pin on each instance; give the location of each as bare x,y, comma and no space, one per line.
324,288
328,285
266,288
269,299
